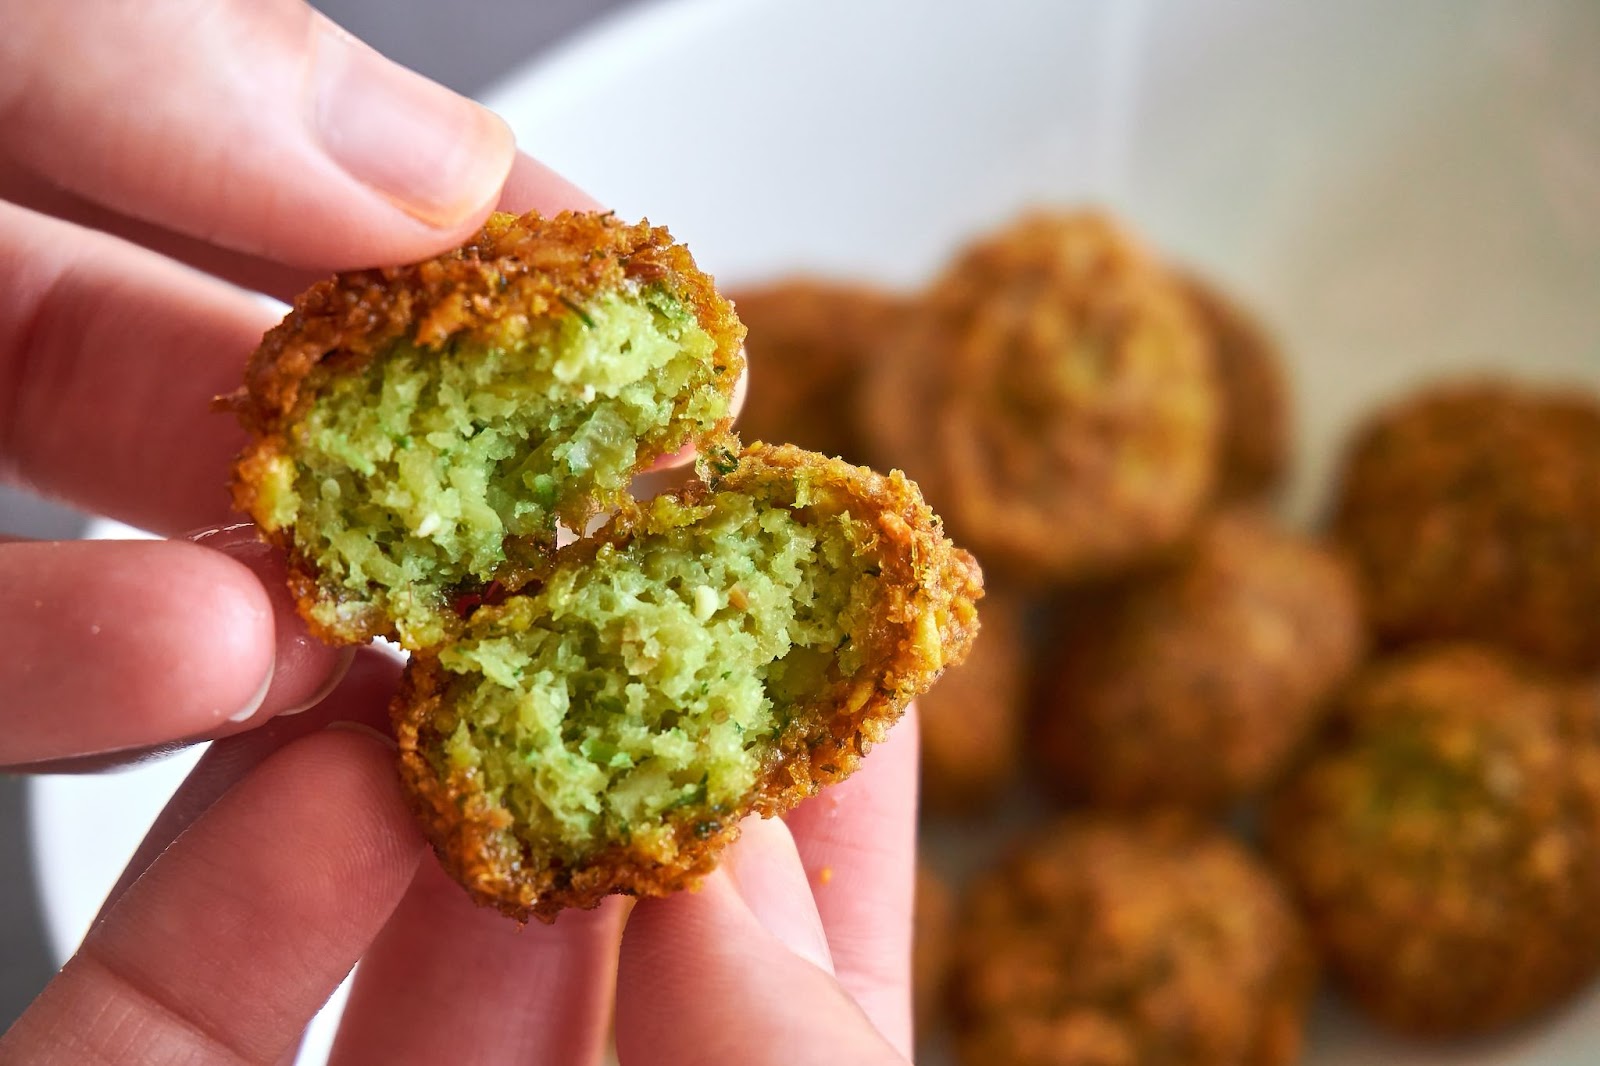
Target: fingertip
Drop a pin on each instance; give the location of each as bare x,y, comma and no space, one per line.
439,157
764,868
304,669
228,648
532,186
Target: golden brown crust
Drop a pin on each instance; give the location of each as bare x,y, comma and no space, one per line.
1131,942
1473,512
1055,397
1194,684
1257,419
926,620
808,343
1445,841
499,288
971,721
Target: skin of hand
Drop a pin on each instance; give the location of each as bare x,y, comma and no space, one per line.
257,142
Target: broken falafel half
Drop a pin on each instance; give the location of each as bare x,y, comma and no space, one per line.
418,432
721,651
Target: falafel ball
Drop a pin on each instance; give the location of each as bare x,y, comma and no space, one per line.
932,931
1055,397
419,431
721,651
1445,842
1146,941
1473,511
1195,683
1257,419
972,719
809,341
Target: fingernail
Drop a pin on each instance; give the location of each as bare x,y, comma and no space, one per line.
765,869
305,669
366,731
255,702
341,668
434,154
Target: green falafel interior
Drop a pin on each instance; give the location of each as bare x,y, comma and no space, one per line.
724,650
657,677
424,474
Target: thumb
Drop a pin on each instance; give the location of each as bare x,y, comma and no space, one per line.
256,125
739,971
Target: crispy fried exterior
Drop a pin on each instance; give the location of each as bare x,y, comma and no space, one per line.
927,621
932,934
808,343
971,721
1132,942
1473,512
498,288
1445,842
1257,420
1055,397
1194,684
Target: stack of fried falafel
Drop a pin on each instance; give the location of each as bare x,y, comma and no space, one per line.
1223,755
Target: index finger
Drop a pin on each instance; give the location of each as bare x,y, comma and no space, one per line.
858,843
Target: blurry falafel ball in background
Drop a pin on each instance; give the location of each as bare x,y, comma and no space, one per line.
1472,511
1193,684
1055,396
1149,940
1444,840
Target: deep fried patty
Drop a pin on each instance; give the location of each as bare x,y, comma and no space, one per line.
418,432
808,344
1195,683
722,651
1445,841
1134,942
1473,512
971,721
933,930
1257,418
1055,397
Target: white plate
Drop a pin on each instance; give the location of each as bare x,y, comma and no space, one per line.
1402,189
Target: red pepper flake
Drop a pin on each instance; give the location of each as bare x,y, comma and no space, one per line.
492,594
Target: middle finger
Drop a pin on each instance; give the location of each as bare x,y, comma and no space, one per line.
109,359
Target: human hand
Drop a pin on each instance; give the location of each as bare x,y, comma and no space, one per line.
289,853
256,140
